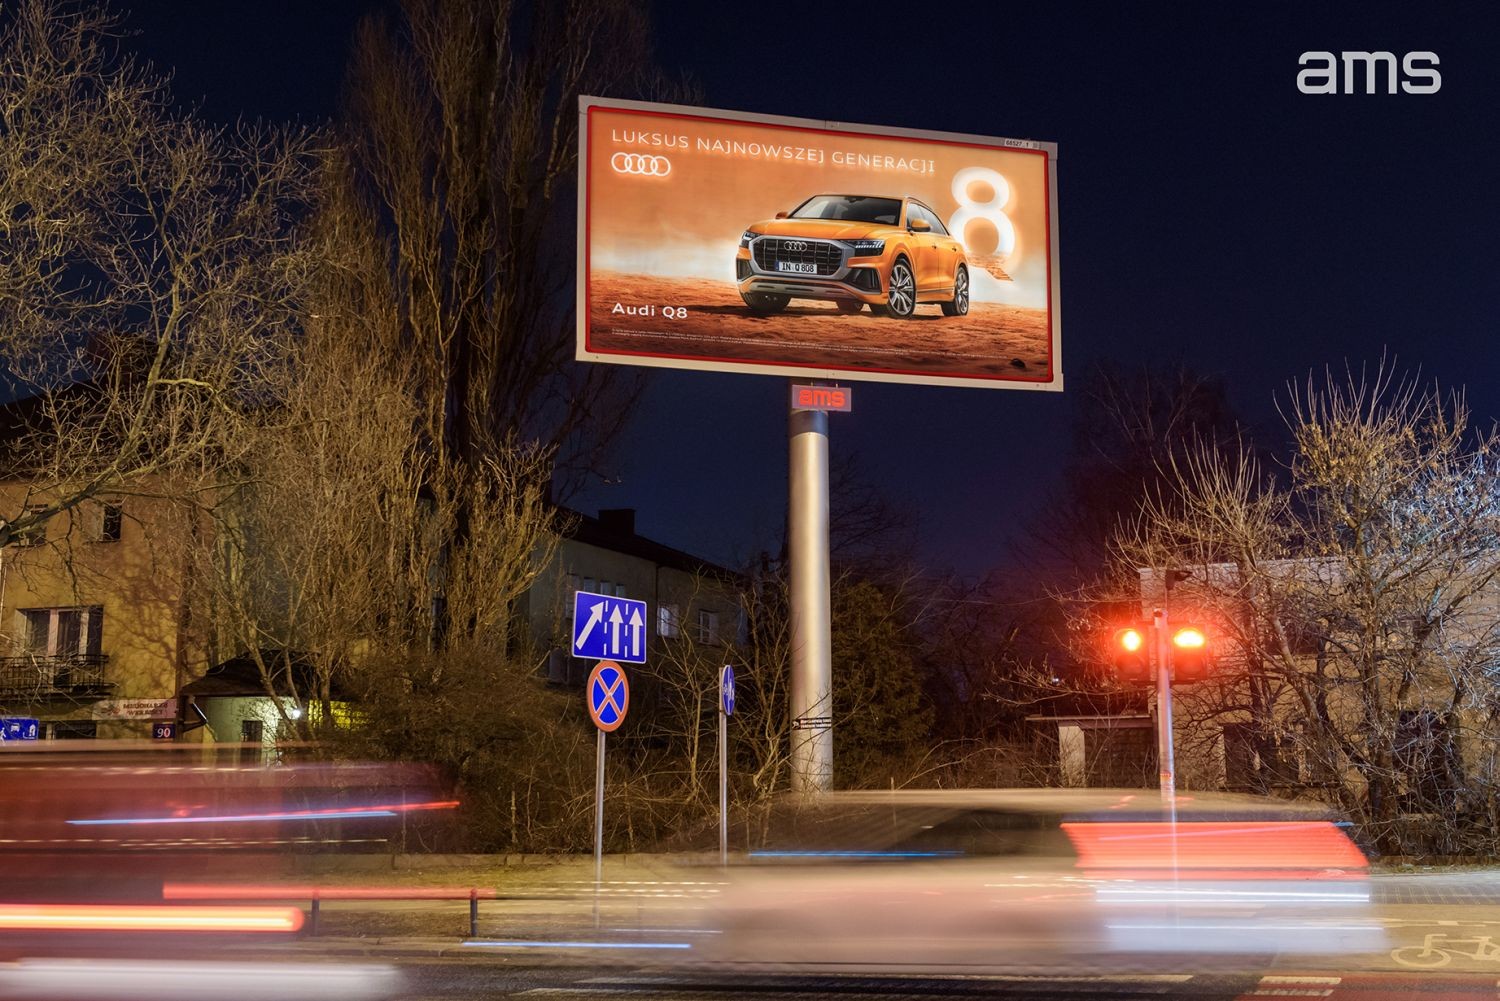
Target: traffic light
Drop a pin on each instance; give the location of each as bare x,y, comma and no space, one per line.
1190,657
1130,654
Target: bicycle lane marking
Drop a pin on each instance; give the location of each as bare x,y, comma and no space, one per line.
1440,949
1377,987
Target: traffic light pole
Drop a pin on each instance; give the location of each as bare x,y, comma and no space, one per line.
1162,638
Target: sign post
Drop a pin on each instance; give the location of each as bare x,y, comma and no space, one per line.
608,700
726,710
1168,776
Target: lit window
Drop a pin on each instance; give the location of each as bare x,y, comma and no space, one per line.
60,632
708,626
667,622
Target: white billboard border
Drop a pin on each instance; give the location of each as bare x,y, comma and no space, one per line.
581,352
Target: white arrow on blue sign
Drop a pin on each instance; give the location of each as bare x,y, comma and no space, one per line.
606,627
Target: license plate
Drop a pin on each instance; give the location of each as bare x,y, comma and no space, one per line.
795,268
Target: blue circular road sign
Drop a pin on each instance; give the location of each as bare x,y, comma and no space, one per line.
609,695
726,690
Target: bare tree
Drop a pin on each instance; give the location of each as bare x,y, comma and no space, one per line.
150,266
1355,603
330,550
462,122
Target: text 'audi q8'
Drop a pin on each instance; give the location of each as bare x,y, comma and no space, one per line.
891,254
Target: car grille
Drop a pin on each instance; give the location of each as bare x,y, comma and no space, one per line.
825,256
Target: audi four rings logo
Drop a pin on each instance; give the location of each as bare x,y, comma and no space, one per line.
640,163
794,245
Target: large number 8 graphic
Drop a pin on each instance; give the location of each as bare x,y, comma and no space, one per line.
970,210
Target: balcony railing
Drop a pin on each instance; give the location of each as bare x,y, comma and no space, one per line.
38,676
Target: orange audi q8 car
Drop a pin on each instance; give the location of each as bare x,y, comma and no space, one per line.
856,250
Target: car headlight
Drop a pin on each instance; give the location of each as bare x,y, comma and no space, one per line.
746,237
867,248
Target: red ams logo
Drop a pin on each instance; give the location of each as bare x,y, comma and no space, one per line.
821,398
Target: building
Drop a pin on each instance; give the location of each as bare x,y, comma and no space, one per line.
94,640
692,602
91,627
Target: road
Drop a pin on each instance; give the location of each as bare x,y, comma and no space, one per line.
459,981
1443,930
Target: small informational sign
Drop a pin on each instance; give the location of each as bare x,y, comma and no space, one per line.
840,398
135,709
17,728
163,731
607,626
726,690
609,695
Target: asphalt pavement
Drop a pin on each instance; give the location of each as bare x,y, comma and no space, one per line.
547,938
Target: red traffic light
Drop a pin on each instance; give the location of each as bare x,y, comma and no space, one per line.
1190,656
1130,655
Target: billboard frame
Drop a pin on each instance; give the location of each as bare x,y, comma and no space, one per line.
582,351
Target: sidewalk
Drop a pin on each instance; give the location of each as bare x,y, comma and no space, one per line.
554,893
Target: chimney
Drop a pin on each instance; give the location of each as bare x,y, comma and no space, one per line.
620,520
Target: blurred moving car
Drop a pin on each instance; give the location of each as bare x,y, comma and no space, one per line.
91,833
101,821
1040,879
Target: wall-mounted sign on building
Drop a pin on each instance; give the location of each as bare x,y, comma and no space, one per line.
135,709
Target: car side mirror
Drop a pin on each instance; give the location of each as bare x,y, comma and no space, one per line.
919,225
781,215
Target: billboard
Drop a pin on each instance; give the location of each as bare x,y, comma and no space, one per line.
743,243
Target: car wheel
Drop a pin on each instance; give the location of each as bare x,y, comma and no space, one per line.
848,307
765,302
901,301
960,304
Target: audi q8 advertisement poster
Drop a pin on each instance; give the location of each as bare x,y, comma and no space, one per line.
716,240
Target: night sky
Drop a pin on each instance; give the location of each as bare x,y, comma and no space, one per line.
1211,215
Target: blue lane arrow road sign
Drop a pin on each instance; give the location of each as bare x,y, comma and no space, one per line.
609,695
607,627
726,690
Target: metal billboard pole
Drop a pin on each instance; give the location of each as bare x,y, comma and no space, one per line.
812,652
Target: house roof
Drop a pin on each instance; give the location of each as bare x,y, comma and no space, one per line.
1129,704
615,531
239,676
